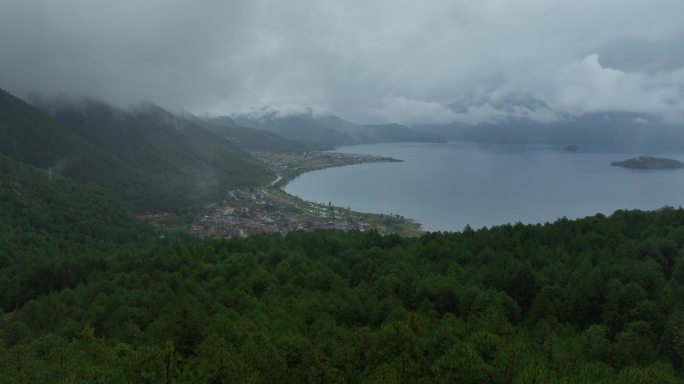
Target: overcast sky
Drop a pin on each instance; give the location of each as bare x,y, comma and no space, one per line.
369,61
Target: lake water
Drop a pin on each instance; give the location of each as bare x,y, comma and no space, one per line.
448,185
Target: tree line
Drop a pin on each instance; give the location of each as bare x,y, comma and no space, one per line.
595,300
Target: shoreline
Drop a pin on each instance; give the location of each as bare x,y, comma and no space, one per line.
384,223
288,166
270,209
398,224
405,226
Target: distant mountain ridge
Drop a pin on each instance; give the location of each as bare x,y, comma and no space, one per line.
251,138
524,122
620,130
328,131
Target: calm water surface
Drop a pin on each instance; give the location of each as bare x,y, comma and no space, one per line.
448,185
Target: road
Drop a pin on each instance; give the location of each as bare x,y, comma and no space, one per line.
274,182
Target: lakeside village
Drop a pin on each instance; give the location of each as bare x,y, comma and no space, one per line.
249,211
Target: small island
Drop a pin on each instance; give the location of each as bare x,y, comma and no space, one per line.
571,148
648,162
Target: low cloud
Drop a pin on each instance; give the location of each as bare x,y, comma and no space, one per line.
366,61
411,111
587,86
284,111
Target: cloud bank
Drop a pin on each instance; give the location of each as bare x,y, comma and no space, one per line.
404,61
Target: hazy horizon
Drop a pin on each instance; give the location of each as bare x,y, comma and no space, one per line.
429,62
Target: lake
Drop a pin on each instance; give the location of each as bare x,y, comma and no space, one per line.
446,186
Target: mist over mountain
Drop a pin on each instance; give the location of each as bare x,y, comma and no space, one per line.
524,120
364,62
324,131
615,130
34,137
250,138
156,160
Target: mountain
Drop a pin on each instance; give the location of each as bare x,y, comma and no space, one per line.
32,136
183,163
33,200
327,131
251,138
57,226
617,130
154,160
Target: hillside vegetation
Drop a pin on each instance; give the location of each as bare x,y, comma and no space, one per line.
596,300
53,232
154,160
32,136
186,163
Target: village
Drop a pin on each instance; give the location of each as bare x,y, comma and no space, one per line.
249,211
252,211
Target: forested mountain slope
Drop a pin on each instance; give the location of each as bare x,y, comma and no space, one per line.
154,160
596,300
54,231
187,163
31,136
